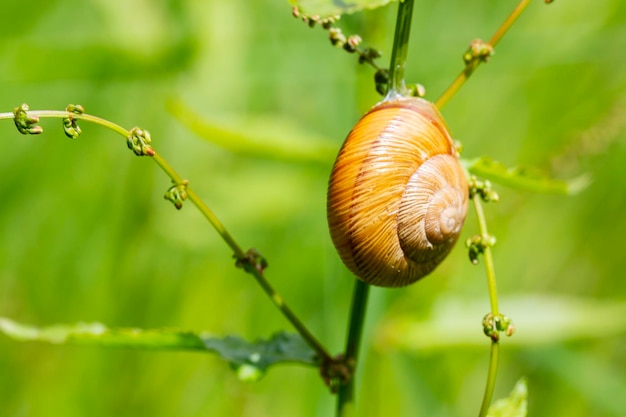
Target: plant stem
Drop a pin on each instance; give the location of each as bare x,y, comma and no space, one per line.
278,301
400,49
472,65
345,396
488,256
515,14
258,275
208,214
491,378
493,299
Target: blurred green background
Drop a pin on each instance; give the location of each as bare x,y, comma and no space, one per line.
85,234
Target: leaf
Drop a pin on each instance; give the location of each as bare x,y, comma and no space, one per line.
274,138
524,178
456,322
252,359
515,405
249,359
326,8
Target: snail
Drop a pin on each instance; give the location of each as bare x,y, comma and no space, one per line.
397,195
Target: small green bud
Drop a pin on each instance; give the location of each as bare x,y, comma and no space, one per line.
139,142
493,325
25,124
177,193
477,245
337,38
478,51
368,55
381,79
70,126
352,43
313,20
329,21
483,190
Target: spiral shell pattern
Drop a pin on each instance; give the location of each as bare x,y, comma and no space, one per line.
397,196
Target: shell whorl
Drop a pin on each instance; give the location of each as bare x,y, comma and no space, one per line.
397,197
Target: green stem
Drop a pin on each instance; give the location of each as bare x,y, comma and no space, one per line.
400,50
491,379
488,256
278,301
515,14
471,66
345,396
208,214
493,299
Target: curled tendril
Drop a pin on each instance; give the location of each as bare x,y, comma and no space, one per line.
477,245
494,324
478,51
177,193
70,125
26,125
138,141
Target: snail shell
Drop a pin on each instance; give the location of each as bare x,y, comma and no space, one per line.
397,197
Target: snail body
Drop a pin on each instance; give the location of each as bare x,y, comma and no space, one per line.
397,195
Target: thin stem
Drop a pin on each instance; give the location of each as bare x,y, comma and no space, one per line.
200,205
493,299
278,301
515,14
59,114
345,398
488,256
400,49
208,214
472,65
491,378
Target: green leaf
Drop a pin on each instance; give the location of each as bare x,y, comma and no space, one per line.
515,405
249,359
325,8
524,178
252,359
268,138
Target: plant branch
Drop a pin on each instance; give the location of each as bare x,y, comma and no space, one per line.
250,261
494,322
472,62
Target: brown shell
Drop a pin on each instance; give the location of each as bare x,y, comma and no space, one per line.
397,197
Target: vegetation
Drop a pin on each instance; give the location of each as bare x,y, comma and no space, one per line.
87,237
